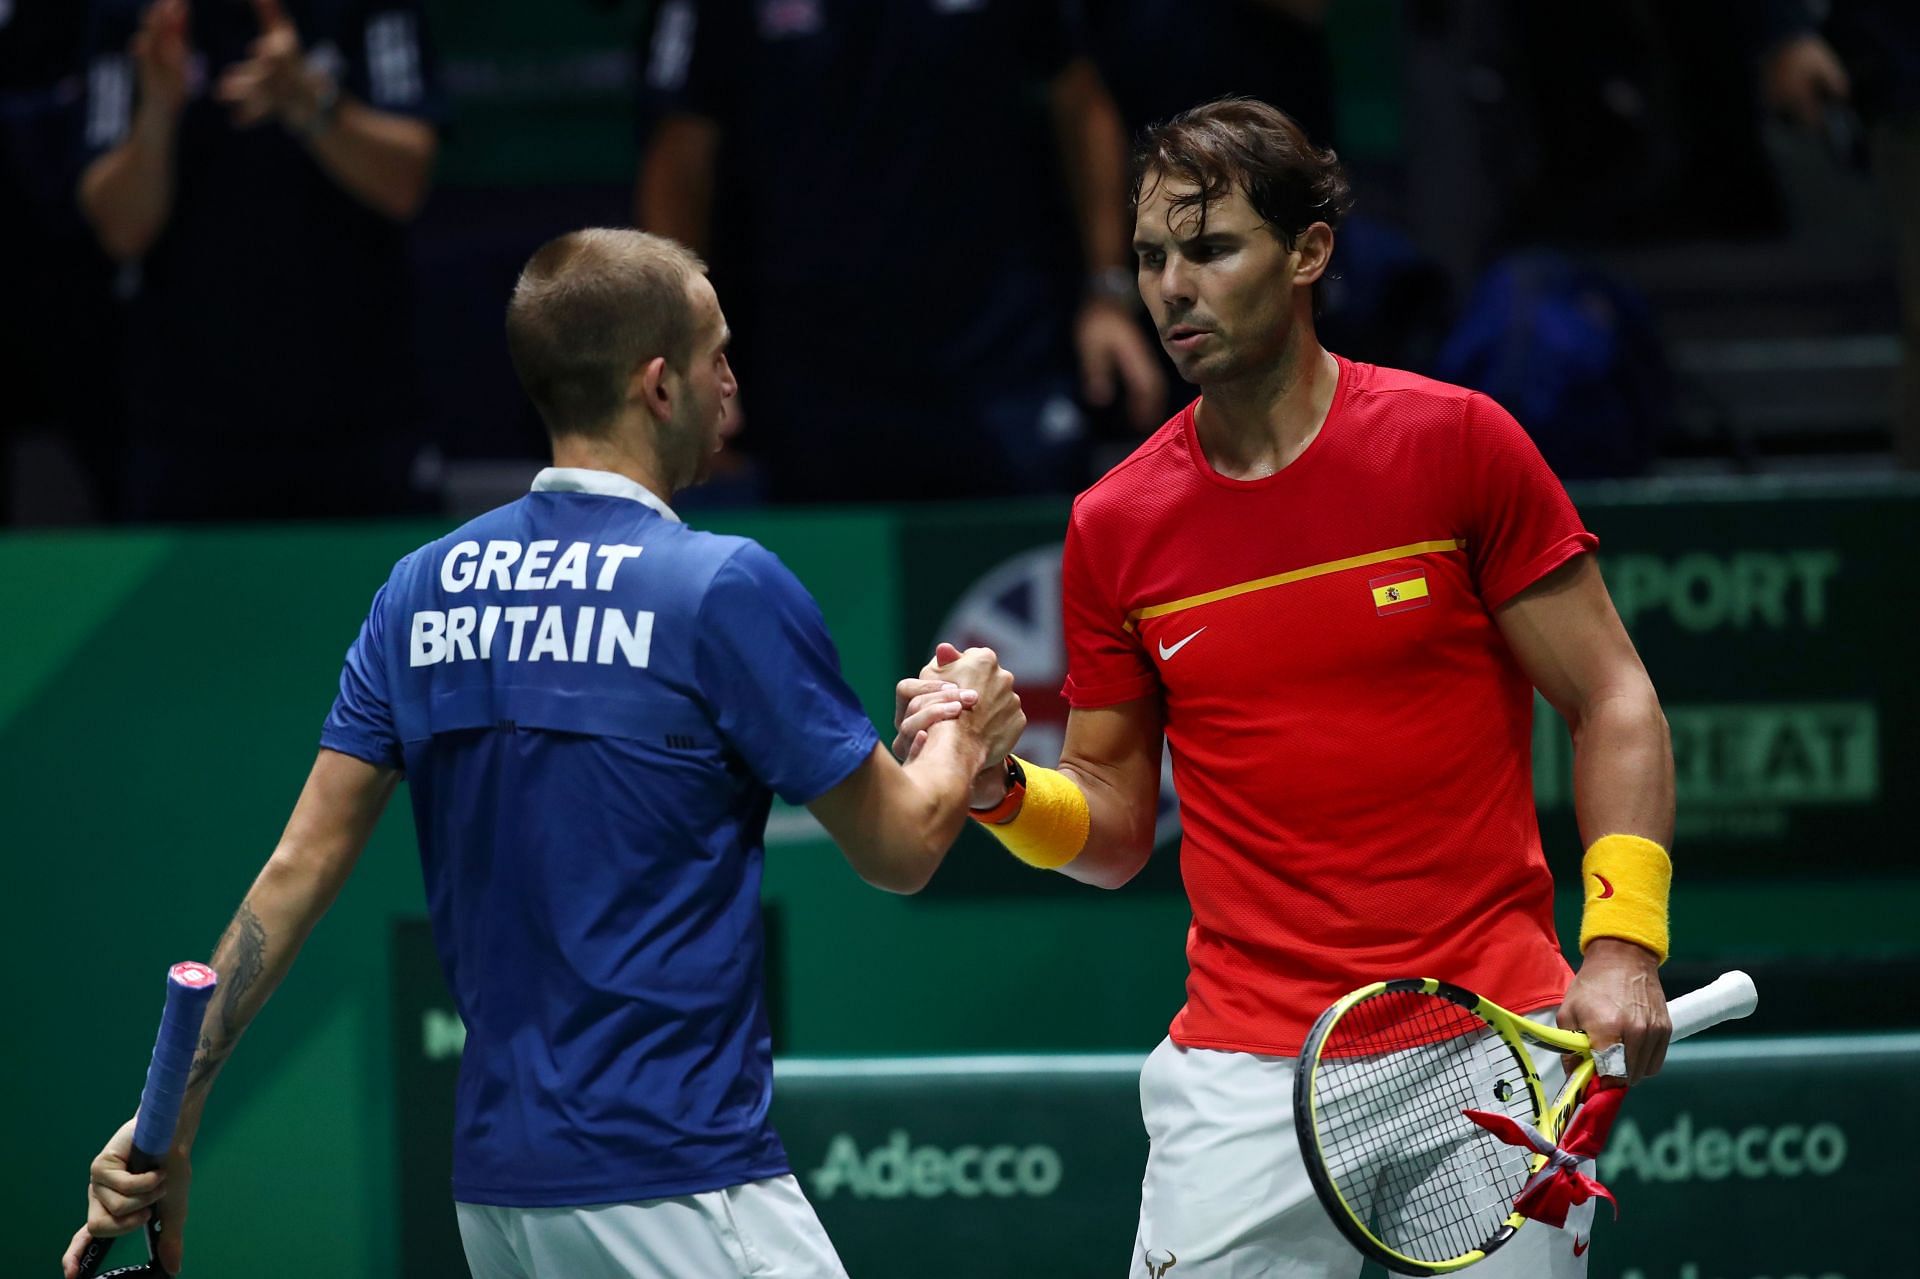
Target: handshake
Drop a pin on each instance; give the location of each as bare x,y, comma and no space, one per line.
971,696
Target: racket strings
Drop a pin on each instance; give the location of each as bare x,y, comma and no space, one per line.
1392,1077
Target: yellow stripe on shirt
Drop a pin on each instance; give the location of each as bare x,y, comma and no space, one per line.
1296,575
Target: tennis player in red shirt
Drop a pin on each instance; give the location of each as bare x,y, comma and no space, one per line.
1333,588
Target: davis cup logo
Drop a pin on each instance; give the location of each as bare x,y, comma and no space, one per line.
1014,609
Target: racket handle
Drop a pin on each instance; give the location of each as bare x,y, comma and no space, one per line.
92,1255
1725,998
189,987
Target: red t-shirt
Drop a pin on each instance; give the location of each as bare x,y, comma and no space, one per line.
1351,736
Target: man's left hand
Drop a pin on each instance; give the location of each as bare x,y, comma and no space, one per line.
1616,998
120,1202
1112,350
275,81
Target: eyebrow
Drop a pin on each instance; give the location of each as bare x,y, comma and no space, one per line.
1213,239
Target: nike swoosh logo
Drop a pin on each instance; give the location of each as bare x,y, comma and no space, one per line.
1606,889
1166,652
1580,1246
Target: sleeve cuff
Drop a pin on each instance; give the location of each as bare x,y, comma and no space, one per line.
362,747
1090,696
1512,583
840,765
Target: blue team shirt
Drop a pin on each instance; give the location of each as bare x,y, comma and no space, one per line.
594,705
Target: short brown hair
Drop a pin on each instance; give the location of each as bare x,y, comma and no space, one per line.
1244,144
591,307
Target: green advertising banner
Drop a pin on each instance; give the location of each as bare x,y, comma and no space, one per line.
1736,1163
1782,643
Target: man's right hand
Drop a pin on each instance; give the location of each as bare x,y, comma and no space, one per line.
972,682
163,54
928,699
119,1202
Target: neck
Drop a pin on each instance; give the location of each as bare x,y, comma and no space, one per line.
618,452
1256,425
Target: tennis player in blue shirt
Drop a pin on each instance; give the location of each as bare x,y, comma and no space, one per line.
593,705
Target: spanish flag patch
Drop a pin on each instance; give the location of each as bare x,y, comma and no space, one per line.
1398,592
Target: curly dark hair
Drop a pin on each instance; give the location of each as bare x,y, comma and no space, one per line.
1243,143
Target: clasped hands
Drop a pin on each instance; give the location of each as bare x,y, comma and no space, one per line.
954,684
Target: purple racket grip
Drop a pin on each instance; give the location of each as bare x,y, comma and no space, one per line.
189,987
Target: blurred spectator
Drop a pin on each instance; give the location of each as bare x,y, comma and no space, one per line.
1850,65
257,161
882,181
1624,124
57,347
1572,352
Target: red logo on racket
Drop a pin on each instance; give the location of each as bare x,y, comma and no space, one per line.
1606,889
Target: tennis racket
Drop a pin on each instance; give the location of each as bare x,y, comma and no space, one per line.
189,987
1377,1101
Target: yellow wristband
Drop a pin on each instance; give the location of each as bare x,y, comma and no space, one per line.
1051,827
1627,879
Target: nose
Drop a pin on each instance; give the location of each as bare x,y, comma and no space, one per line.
1176,285
729,385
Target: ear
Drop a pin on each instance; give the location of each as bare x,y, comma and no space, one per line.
1313,248
651,385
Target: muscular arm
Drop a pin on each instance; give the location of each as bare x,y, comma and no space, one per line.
1112,753
895,823
675,193
1569,641
331,822
382,159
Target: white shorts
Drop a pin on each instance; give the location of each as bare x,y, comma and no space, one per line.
1226,1195
760,1229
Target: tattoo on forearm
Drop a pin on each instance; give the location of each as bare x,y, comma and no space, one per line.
240,959
207,1062
246,944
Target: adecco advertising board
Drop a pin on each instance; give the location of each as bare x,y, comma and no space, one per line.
1745,1159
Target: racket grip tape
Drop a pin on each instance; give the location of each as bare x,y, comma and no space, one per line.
189,988
1727,997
